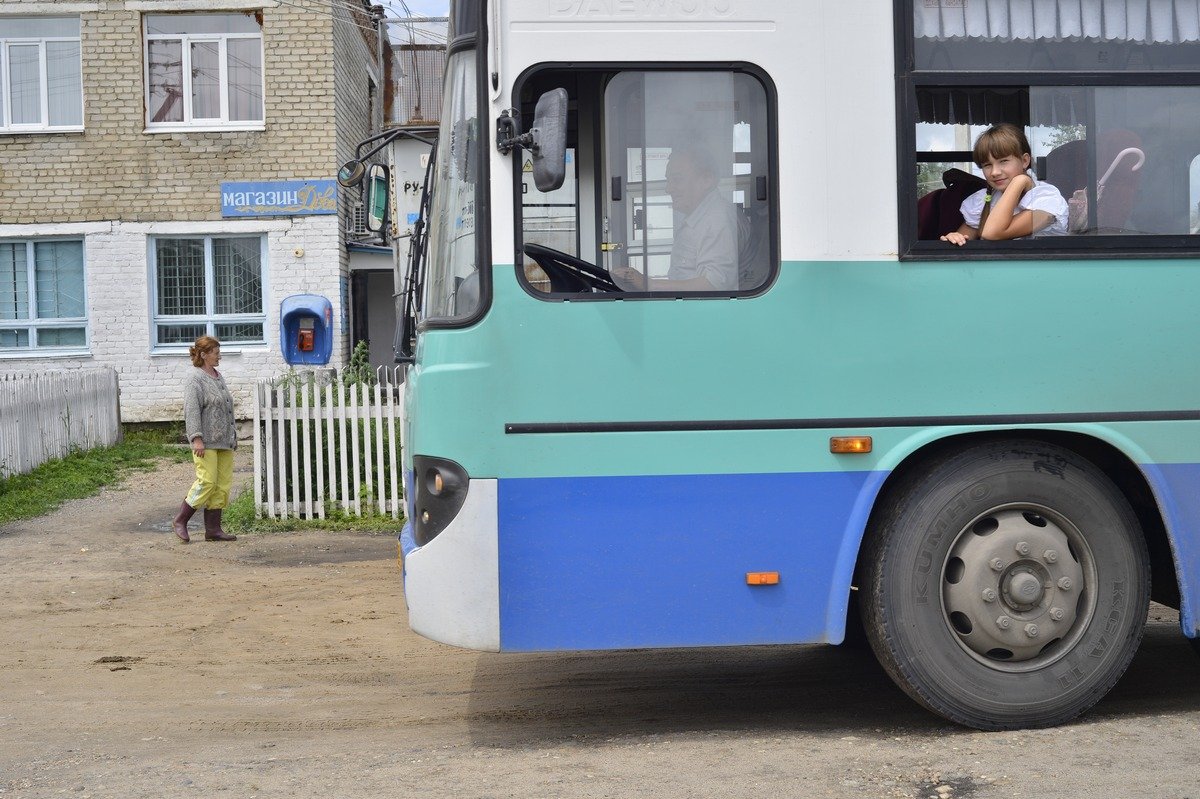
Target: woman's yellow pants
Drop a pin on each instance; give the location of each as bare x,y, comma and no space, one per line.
214,478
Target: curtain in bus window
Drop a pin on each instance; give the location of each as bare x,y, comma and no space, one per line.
1086,34
1112,20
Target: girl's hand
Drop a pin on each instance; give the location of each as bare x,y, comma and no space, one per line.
198,447
1020,184
955,238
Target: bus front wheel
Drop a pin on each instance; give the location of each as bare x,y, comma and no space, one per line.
1006,585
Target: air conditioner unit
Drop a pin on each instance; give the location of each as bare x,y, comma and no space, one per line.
356,227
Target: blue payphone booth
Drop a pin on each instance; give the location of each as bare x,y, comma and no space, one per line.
306,329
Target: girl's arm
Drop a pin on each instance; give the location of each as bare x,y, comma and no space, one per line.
1004,223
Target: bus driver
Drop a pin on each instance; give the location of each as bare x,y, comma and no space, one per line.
704,253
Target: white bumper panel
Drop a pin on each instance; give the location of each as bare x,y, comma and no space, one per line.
452,584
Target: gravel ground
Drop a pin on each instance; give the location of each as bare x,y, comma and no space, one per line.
282,665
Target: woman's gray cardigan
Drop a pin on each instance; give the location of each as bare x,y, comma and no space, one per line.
208,410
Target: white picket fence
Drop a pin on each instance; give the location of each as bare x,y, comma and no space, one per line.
318,441
47,415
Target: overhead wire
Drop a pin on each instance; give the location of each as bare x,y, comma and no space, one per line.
328,8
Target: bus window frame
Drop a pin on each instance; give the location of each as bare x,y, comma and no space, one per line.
474,39
1056,248
613,68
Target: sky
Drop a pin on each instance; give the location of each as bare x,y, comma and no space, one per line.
419,8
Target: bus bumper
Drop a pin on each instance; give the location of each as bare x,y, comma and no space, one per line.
452,584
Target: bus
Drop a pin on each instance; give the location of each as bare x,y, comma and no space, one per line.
689,364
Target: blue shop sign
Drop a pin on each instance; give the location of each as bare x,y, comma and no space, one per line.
279,198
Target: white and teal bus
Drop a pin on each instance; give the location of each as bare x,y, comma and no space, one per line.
690,366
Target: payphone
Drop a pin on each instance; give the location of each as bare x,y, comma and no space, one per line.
306,329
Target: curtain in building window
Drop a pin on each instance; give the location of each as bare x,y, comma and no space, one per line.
14,281
58,270
25,76
245,79
206,80
63,83
1145,21
166,81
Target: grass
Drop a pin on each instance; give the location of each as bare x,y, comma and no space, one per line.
82,474
239,518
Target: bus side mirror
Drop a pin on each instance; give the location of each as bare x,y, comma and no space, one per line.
377,197
550,140
546,140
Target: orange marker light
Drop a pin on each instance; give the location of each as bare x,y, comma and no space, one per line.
762,578
850,445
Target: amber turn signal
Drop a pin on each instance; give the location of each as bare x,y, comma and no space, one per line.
762,578
850,445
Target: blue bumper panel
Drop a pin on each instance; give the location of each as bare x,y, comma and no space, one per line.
628,562
1177,487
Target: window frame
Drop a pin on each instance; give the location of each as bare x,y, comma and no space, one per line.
771,97
33,324
7,126
1107,247
186,40
209,318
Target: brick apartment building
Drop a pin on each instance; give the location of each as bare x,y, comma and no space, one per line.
167,170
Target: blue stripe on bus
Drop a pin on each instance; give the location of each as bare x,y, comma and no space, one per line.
654,561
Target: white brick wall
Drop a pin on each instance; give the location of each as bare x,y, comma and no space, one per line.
117,275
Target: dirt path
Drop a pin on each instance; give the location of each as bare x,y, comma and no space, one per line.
282,665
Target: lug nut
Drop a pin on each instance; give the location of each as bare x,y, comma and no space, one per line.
1050,556
1022,548
1065,583
989,595
1004,622
1057,614
996,564
1031,630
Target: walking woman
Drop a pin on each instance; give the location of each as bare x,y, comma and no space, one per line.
210,426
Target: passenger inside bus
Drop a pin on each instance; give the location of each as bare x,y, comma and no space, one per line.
1014,204
704,253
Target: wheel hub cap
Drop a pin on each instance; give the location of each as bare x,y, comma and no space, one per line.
1013,586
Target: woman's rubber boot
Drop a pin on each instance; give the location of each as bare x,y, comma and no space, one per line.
179,523
212,527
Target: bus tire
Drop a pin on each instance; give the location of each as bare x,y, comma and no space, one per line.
1006,585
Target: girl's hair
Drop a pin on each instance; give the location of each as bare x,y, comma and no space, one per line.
999,141
203,344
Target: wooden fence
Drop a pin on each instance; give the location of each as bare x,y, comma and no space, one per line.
322,441
47,415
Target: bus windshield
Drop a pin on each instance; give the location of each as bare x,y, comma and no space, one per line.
451,285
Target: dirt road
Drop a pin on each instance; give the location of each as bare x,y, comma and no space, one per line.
282,665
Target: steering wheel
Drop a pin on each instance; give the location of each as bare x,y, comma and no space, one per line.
566,271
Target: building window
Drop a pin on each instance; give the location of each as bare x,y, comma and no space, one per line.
208,286
42,304
204,70
41,86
